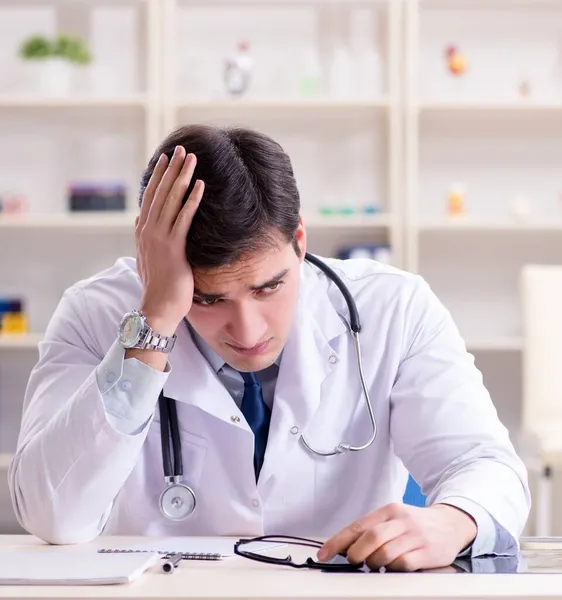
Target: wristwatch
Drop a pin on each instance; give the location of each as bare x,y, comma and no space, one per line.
134,332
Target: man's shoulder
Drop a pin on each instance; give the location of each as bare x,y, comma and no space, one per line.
115,285
394,295
364,275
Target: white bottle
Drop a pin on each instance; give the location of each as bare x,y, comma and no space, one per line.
341,74
369,76
238,71
365,53
310,83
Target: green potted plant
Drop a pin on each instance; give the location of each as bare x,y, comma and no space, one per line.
57,60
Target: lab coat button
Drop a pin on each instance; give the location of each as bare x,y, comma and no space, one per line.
235,419
110,377
126,386
256,503
294,430
333,359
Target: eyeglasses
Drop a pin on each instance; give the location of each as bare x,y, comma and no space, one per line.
338,563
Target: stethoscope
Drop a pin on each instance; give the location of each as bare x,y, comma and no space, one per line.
178,500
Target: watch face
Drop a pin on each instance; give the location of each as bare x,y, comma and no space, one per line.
130,330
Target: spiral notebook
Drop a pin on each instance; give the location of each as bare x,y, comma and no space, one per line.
191,548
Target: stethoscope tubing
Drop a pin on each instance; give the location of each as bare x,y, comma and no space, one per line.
169,425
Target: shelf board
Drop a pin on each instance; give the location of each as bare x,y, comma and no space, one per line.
380,221
489,4
86,220
527,105
482,226
33,101
298,3
126,220
24,341
280,104
495,344
50,3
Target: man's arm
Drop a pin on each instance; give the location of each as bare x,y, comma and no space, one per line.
81,433
446,430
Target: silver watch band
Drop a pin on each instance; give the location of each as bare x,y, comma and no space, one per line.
162,343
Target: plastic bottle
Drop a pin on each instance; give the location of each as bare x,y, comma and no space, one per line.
341,78
238,71
311,78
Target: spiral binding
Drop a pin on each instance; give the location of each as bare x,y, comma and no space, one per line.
166,554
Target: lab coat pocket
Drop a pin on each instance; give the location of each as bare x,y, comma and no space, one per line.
193,452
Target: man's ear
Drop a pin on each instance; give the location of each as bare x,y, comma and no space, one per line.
300,239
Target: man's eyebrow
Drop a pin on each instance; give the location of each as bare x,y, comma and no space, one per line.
272,281
211,296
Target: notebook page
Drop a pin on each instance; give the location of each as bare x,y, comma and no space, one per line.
57,567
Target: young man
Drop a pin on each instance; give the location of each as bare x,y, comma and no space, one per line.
252,342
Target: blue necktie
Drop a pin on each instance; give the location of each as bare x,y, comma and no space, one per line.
258,416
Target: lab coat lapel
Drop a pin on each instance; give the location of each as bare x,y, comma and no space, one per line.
308,358
193,381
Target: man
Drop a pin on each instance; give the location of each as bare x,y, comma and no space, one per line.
261,362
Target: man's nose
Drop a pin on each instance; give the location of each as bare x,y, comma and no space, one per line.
247,327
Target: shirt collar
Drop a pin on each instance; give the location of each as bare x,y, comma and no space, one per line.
216,362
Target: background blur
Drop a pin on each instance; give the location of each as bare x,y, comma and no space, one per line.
424,133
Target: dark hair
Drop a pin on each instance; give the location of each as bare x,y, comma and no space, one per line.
250,198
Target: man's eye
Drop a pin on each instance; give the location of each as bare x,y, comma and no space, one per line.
273,287
205,302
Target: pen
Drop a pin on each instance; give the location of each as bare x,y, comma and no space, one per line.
172,562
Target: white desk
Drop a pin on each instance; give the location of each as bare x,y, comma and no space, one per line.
242,578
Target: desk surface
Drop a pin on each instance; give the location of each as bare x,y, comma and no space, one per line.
241,578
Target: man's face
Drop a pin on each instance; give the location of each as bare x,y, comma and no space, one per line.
245,311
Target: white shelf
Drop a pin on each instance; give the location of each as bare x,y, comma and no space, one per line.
25,341
274,3
380,221
87,220
266,104
527,105
28,101
50,3
125,221
482,226
489,4
495,344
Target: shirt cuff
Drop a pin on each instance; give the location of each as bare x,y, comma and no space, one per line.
129,390
485,540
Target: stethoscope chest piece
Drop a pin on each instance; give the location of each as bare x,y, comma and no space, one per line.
177,502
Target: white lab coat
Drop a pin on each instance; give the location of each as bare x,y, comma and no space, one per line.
74,476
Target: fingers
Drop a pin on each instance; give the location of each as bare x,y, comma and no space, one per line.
348,535
391,554
374,540
173,202
154,181
185,218
165,184
410,561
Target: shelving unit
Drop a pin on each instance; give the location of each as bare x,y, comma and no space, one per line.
495,131
400,149
323,133
49,141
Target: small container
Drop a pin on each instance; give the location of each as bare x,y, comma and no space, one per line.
456,200
238,71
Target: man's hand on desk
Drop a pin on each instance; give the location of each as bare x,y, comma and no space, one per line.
404,538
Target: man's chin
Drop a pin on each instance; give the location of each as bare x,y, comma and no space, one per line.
251,363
